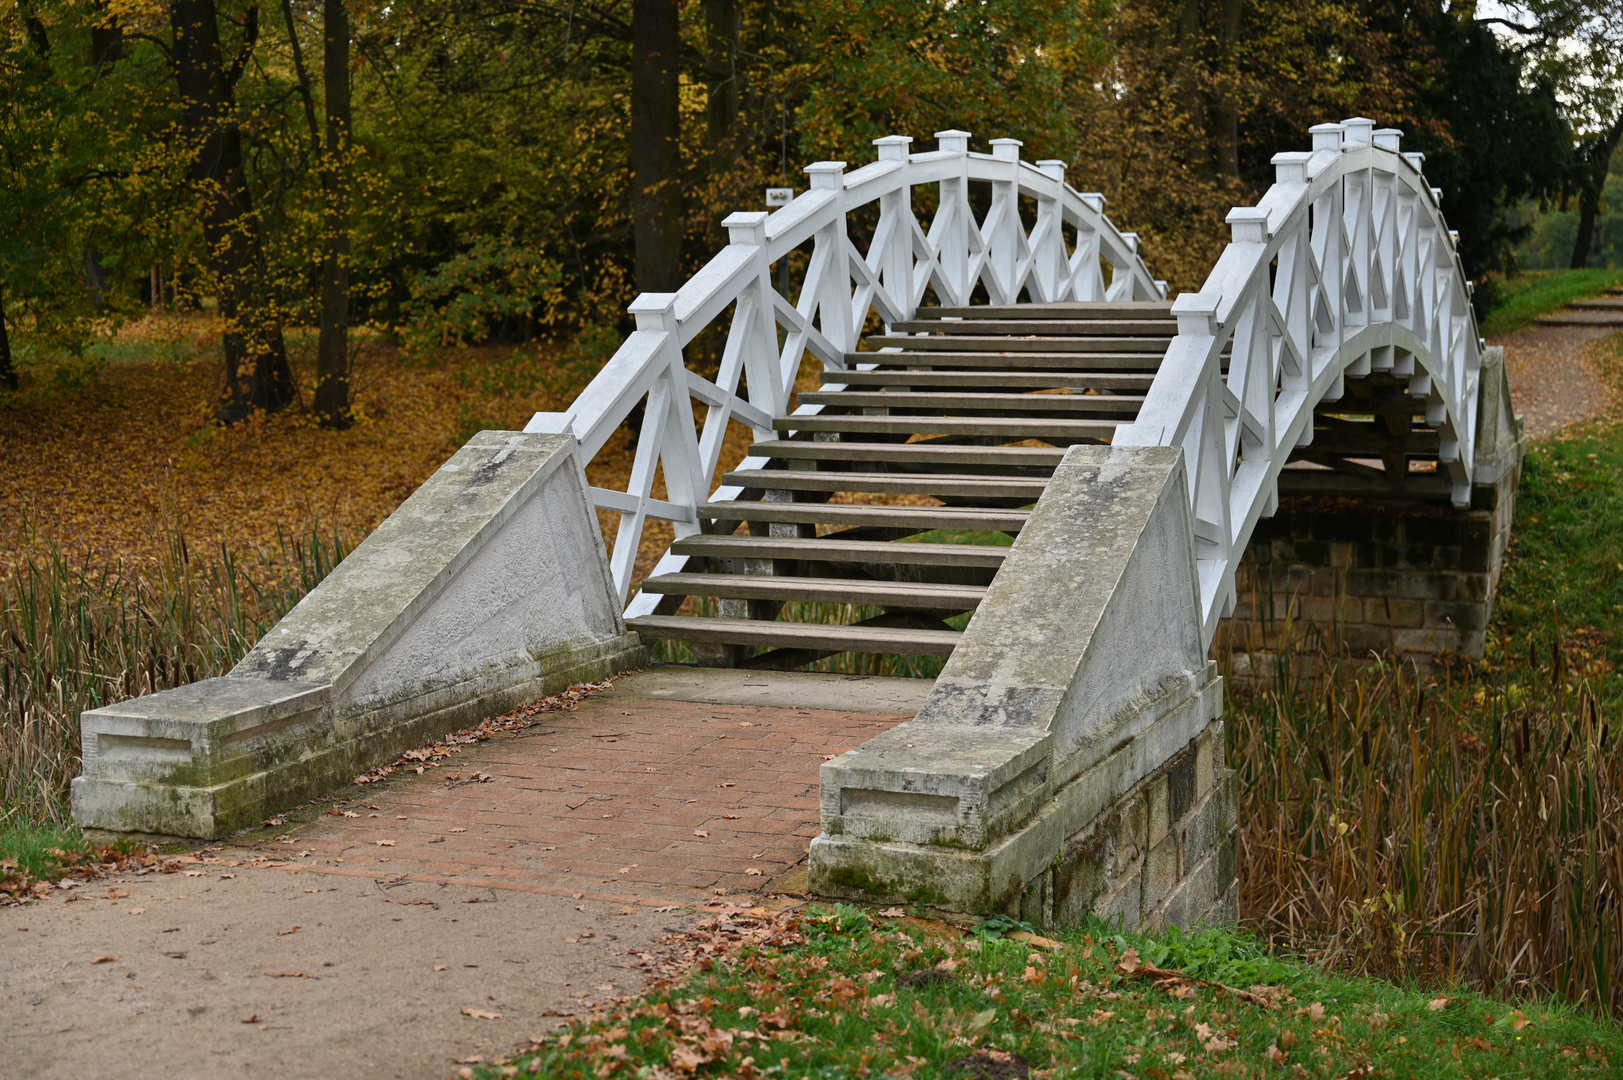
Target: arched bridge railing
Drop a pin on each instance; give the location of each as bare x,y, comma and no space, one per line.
1062,255
1345,267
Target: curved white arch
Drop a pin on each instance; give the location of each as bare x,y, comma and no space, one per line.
1346,266
839,289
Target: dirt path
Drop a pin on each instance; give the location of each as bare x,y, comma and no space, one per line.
521,879
1552,381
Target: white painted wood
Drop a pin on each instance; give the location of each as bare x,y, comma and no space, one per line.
1345,263
768,334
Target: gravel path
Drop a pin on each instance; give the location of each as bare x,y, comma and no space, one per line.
1552,381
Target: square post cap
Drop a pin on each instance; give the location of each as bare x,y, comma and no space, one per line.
654,310
1357,131
826,174
1052,167
893,147
1389,138
746,227
1326,137
953,141
1006,149
1291,167
1249,225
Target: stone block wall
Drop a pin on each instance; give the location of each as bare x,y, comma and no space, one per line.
1405,581
1164,854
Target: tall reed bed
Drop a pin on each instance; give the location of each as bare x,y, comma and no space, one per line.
79,633
1446,831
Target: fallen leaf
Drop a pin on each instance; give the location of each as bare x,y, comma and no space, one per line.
700,832
755,871
893,913
1435,1005
289,930
480,1014
105,960
1129,962
116,894
1274,1055
291,975
1518,1020
138,911
1037,939
459,830
688,1059
224,877
254,1019
442,967
384,843
195,873
474,1060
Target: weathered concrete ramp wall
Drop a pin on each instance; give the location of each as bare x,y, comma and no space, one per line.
1070,756
488,587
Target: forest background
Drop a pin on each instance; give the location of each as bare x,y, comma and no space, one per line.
441,173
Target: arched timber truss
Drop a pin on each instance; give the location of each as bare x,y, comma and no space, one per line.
1345,267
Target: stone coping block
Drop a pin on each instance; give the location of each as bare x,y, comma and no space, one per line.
486,588
1501,439
1081,671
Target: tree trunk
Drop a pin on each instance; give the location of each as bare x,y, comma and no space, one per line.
1191,95
8,372
1226,110
332,354
721,27
257,376
1598,160
656,150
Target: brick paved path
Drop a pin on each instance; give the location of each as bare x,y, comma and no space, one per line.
631,797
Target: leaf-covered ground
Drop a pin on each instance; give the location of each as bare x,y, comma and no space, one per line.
831,993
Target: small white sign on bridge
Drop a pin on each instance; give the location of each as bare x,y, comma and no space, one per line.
780,196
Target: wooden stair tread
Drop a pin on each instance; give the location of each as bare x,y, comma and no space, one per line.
943,402
906,517
954,454
988,343
1016,362
797,635
1163,328
834,550
989,379
914,595
995,487
1008,428
1068,309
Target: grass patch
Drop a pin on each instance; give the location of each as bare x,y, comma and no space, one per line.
1518,300
842,993
39,850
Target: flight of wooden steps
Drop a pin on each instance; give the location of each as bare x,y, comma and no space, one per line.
1601,311
895,495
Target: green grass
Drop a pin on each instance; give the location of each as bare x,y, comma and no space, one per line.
38,850
1517,301
834,993
1564,579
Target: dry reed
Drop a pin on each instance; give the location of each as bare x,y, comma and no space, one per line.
78,634
1407,828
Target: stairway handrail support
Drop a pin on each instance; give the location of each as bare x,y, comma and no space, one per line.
841,286
1395,299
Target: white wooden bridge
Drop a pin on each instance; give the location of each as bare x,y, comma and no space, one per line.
1070,756
942,422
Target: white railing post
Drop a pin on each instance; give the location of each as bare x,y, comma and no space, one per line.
950,230
1004,230
830,296
896,225
1048,250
